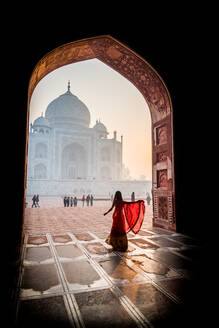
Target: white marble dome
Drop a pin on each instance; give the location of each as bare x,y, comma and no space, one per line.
69,109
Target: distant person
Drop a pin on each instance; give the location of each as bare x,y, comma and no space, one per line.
37,200
75,201
34,201
67,201
133,197
88,200
91,200
148,199
83,200
71,201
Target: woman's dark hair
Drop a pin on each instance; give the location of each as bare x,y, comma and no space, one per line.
118,196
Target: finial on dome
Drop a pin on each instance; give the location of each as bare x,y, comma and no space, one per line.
68,85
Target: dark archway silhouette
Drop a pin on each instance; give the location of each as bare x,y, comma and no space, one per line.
136,69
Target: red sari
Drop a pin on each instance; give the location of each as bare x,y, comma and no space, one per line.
127,216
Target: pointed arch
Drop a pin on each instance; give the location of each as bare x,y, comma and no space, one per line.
40,171
74,162
139,72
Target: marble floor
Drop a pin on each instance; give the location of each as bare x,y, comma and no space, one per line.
71,278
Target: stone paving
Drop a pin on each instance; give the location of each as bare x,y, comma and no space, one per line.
48,218
71,278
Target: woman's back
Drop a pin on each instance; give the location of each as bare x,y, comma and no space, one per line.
118,227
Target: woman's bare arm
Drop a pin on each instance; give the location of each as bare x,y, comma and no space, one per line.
110,209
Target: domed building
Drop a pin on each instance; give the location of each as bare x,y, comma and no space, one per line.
67,155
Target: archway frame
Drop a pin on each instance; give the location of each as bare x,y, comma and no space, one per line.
145,78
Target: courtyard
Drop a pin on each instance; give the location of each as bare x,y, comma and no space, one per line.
71,278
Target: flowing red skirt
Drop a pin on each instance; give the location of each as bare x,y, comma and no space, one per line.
127,216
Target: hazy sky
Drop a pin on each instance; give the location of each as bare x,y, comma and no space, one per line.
109,97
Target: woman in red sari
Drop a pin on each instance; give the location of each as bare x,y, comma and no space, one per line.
127,216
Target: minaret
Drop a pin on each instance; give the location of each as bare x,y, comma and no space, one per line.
69,85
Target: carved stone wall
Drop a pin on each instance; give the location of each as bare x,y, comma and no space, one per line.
117,56
63,55
164,214
136,69
163,174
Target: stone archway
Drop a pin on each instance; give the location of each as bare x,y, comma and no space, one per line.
136,69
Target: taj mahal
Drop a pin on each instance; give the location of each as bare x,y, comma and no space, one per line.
66,156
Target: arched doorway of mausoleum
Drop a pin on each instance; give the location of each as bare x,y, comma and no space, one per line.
74,162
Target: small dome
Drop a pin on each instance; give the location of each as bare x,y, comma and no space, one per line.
41,121
100,127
